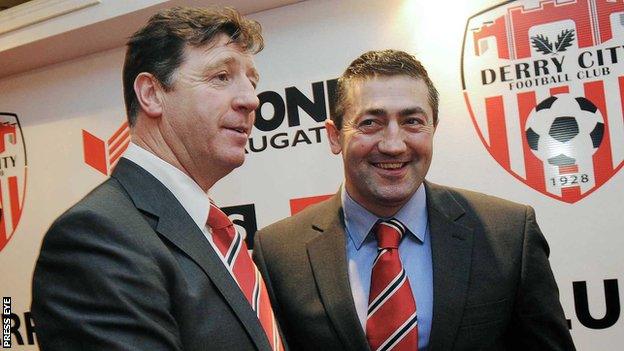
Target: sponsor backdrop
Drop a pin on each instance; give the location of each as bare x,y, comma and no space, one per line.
531,110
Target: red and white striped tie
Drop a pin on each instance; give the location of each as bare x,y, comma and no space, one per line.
233,249
391,322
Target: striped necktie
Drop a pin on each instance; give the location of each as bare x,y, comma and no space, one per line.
233,249
391,323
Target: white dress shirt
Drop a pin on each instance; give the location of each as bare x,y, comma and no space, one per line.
193,199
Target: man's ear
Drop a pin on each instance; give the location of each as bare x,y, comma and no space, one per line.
333,135
148,91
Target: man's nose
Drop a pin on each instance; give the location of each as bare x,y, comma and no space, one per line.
246,99
392,141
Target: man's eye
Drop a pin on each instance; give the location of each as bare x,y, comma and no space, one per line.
414,121
224,77
367,123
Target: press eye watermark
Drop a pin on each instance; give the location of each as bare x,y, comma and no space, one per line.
6,322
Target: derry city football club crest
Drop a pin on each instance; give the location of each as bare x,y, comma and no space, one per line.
544,85
12,175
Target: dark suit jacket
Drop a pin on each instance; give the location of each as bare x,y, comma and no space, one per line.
127,269
492,283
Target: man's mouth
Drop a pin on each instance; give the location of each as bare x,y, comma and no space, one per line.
241,130
389,166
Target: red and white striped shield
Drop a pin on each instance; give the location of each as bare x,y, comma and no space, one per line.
544,85
12,175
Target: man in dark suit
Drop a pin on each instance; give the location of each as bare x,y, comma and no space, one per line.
393,262
146,261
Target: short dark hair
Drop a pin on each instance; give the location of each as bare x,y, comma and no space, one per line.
158,47
384,63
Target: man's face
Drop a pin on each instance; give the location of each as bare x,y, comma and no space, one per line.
209,112
386,141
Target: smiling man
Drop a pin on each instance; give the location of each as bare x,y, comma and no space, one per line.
394,262
146,261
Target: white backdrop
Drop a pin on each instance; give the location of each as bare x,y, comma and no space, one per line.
307,42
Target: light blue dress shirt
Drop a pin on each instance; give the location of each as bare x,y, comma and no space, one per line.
414,249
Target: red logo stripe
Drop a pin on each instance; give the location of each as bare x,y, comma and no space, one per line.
119,141
533,166
497,128
16,207
119,131
603,163
114,157
560,90
297,205
3,237
621,85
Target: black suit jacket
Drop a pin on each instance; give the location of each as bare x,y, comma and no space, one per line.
126,268
492,283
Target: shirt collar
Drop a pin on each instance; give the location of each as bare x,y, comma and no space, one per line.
359,221
190,195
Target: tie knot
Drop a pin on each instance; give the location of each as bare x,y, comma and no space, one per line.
217,219
389,233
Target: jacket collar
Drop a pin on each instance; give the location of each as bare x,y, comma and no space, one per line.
327,255
175,225
451,248
451,245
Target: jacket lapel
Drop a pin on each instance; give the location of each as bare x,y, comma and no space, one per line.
451,246
175,224
327,254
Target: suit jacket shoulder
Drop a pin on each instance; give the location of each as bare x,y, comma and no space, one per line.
126,268
303,262
85,256
493,286
450,201
320,215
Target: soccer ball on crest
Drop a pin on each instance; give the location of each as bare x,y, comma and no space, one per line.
562,129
